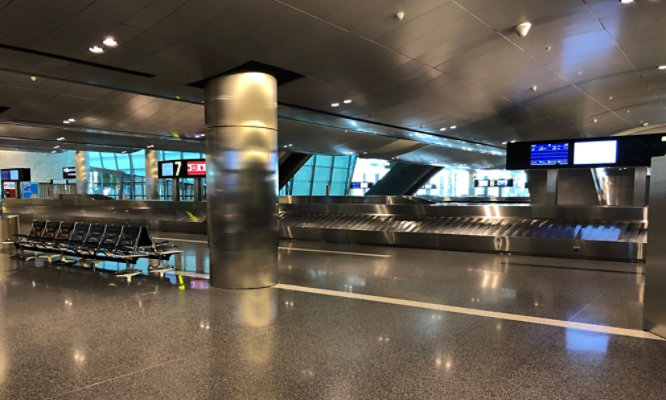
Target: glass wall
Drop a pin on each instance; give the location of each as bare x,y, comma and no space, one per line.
318,173
459,182
123,175
367,172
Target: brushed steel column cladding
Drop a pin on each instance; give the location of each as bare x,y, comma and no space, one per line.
242,180
152,180
81,165
654,306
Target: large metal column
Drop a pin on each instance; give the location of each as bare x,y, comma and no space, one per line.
242,180
152,180
81,165
654,306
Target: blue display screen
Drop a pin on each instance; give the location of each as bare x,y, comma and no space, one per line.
549,154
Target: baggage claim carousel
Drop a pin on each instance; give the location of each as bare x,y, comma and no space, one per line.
592,232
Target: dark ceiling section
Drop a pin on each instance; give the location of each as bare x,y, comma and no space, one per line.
282,75
587,68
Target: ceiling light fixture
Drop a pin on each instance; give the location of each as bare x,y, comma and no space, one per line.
442,129
96,49
53,151
504,142
662,67
523,29
33,78
56,146
110,41
335,104
610,97
71,120
400,15
645,124
60,139
452,127
347,101
595,120
626,1
150,146
124,151
513,141
66,121
534,88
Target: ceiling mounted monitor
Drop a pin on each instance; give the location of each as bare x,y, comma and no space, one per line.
547,154
595,152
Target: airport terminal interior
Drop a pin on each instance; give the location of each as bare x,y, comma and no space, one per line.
349,199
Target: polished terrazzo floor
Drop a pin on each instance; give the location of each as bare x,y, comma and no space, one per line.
79,334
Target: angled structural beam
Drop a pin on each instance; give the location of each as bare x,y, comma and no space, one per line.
290,163
403,179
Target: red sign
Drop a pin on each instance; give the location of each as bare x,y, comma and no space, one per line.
196,168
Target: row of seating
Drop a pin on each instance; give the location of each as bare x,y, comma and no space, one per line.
92,244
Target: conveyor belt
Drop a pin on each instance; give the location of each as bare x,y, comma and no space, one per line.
617,233
474,226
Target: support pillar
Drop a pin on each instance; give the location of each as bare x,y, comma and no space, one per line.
175,189
242,180
152,180
82,168
551,186
640,186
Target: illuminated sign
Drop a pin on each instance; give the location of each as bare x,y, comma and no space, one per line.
196,168
493,183
361,185
69,173
182,169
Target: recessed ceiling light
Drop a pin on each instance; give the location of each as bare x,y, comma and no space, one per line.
626,1
56,146
534,88
595,120
53,151
96,49
66,121
523,29
124,151
60,139
71,120
335,104
285,146
513,141
400,15
504,142
33,78
610,97
662,67
110,41
628,111
645,124
442,129
291,145
347,101
150,146
452,127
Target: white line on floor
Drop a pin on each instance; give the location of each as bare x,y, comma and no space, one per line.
190,274
476,312
351,253
182,240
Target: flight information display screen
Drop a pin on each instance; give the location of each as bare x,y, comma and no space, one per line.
545,154
182,169
595,152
